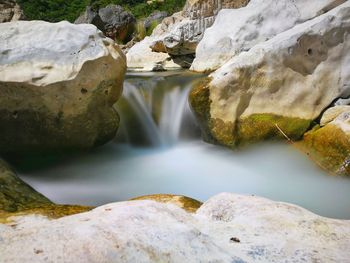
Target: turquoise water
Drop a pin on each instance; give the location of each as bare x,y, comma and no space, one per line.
155,113
119,172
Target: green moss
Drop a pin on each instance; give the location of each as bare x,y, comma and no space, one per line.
261,127
199,100
154,24
58,10
189,204
329,147
16,195
17,199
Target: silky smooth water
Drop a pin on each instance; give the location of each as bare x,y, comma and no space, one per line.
178,162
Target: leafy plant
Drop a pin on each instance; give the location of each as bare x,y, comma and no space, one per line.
58,10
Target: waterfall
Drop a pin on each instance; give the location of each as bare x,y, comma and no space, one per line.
155,111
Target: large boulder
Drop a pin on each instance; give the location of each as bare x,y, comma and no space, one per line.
227,228
112,20
10,11
279,87
329,143
58,83
238,30
178,35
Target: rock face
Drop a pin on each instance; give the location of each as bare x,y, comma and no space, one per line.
19,199
237,30
277,88
329,144
16,195
227,228
179,34
57,94
10,11
112,20
154,19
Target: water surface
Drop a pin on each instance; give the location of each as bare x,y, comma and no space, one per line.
173,159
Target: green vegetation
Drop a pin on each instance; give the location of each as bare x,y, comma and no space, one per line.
53,10
58,10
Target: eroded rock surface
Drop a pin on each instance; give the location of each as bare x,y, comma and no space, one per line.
178,35
10,11
57,94
238,30
227,228
279,87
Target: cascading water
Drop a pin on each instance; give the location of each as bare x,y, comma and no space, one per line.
154,110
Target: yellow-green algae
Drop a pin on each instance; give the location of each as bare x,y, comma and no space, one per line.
184,202
247,130
18,199
329,147
261,127
52,211
200,101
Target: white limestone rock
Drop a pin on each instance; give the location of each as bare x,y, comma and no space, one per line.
141,58
178,36
238,30
332,113
227,228
296,74
58,83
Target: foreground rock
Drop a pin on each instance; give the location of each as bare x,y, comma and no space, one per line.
329,144
227,228
10,11
112,20
279,87
57,94
178,36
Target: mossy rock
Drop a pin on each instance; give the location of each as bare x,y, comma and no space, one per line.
51,211
329,147
186,203
16,195
199,100
244,130
18,199
262,127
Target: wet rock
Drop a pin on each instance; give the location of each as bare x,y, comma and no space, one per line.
10,11
329,145
18,199
279,87
144,231
57,95
16,195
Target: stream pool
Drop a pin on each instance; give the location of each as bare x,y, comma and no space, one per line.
174,160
